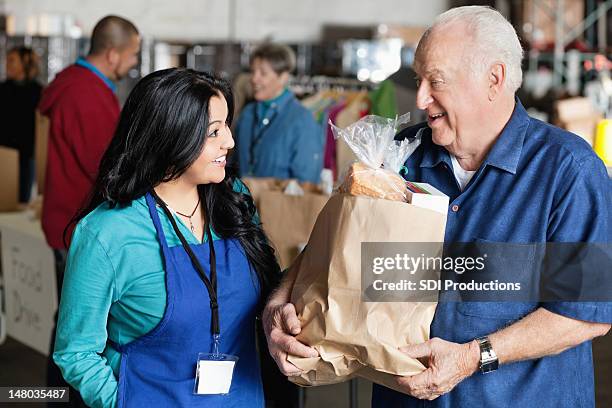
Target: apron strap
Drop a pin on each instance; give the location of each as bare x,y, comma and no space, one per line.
158,227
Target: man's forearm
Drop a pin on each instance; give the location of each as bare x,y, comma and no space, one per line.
542,333
283,292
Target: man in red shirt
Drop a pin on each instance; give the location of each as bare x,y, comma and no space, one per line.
83,111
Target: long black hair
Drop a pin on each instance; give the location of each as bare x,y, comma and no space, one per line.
161,132
29,60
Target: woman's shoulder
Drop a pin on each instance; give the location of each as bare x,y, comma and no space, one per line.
298,110
111,223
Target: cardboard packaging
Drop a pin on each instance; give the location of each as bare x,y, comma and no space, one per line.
9,187
427,196
579,116
40,152
30,283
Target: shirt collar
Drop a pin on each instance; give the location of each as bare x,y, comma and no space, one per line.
506,151
277,102
273,106
86,64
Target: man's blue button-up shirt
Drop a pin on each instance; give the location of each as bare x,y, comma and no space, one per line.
538,184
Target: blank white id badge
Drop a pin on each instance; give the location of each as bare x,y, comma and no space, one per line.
214,373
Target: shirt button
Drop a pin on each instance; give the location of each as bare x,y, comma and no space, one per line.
265,121
455,208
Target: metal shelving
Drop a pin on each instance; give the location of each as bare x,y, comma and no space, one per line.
564,35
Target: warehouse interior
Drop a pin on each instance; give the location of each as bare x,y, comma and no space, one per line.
342,48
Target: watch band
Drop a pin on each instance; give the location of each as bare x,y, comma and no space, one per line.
488,358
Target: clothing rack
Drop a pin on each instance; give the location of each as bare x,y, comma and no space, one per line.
311,84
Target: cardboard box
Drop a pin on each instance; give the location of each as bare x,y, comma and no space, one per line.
40,153
585,127
30,284
577,115
427,196
9,187
570,109
410,35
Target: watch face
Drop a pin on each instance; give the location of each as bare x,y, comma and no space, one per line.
488,358
489,366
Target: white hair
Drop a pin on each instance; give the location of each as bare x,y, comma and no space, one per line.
494,36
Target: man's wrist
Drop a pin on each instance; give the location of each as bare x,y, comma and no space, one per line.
473,357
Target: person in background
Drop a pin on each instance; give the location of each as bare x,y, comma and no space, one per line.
168,239
83,111
276,136
19,96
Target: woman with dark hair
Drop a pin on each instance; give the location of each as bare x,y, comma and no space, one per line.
19,95
168,266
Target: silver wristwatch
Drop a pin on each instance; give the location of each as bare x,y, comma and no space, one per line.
488,358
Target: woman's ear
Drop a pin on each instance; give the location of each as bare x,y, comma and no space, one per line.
284,77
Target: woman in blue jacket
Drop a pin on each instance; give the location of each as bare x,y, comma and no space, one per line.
168,266
275,135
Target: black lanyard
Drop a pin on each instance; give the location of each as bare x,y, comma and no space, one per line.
258,135
211,284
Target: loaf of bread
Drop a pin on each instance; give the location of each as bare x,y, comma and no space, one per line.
362,180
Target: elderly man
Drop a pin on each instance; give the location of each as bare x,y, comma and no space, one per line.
510,178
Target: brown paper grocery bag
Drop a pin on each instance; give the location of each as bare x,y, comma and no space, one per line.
355,338
288,221
258,185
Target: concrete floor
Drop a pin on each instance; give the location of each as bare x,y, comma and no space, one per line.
22,366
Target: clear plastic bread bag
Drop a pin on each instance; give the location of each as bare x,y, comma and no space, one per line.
381,157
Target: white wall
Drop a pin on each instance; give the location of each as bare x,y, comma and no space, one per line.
283,20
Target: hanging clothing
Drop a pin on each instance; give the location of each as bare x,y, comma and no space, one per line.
331,144
405,94
281,141
355,109
382,100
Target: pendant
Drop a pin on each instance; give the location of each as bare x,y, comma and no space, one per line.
191,226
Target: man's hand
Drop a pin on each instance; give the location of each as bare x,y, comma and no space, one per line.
281,325
447,365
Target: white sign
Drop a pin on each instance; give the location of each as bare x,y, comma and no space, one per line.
30,291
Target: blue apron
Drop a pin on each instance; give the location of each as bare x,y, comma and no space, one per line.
158,369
